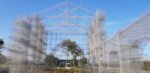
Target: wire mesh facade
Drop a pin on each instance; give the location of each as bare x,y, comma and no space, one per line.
34,38
66,21
27,46
122,53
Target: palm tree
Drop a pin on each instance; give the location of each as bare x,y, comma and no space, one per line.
73,48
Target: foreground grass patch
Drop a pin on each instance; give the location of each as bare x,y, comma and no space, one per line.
145,71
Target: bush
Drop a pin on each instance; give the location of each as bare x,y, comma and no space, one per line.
146,66
4,70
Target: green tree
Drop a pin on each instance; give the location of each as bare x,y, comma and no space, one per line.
51,60
73,48
1,43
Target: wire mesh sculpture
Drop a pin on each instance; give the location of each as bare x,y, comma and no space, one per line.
27,45
31,41
121,53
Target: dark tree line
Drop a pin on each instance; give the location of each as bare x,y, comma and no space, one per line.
146,65
51,60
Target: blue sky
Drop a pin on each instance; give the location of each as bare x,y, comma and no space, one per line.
118,13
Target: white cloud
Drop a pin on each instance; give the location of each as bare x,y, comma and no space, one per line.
119,22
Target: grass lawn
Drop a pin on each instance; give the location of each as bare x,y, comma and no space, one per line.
145,71
63,70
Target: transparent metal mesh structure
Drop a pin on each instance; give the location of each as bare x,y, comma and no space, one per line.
122,53
26,50
66,21
33,39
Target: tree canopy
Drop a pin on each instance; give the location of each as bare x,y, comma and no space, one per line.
72,47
